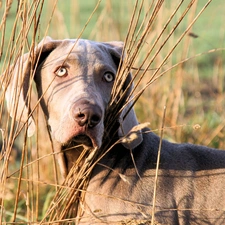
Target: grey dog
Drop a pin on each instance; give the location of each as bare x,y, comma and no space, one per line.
74,79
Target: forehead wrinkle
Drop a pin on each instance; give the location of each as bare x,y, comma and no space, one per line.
83,52
60,61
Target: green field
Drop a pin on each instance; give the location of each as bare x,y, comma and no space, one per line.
71,16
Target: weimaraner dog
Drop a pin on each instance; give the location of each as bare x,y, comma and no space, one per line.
74,83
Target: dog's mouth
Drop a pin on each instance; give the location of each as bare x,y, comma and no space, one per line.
74,145
73,148
81,139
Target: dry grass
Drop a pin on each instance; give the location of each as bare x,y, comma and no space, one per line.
158,43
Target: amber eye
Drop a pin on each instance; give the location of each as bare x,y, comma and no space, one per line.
108,77
62,71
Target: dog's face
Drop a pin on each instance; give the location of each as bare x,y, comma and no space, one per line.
74,79
76,87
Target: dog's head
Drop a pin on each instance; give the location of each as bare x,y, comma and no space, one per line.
74,79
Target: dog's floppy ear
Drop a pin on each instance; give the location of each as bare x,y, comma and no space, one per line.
17,81
127,118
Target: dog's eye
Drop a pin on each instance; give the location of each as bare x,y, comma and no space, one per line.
62,71
108,77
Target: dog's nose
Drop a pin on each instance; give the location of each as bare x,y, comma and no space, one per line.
87,114
88,117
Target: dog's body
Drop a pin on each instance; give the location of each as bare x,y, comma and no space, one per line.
190,187
74,83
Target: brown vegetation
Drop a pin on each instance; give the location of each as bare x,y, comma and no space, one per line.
161,55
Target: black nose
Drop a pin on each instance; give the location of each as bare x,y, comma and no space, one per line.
87,114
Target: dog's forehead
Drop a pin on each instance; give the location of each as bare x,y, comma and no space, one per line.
83,49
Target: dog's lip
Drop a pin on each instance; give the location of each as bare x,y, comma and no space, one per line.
81,136
81,139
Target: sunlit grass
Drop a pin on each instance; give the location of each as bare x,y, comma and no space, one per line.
193,91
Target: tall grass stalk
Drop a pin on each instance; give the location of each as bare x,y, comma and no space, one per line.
158,50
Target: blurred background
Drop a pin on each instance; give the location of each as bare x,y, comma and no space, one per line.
193,92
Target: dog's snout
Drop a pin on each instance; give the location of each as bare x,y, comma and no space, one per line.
86,114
